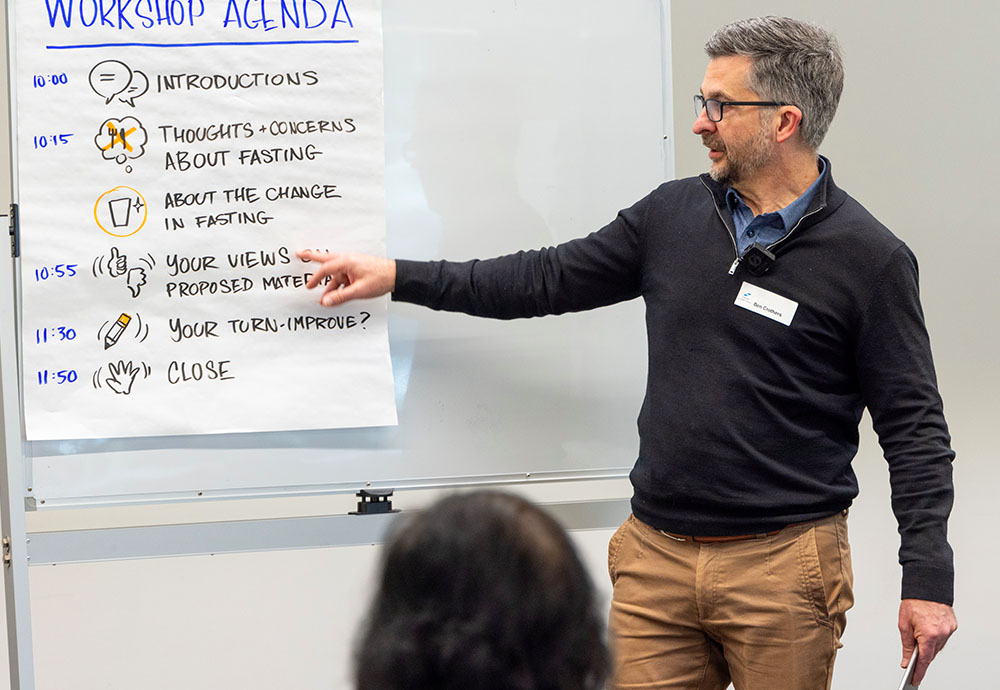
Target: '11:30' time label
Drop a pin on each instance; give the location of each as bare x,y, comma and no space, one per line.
59,333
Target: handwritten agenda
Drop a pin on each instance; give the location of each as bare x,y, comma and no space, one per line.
260,15
166,192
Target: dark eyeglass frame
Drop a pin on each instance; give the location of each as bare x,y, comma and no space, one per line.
701,103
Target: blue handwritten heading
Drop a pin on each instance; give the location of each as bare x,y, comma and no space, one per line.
253,15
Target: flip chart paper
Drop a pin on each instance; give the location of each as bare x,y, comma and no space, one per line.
172,155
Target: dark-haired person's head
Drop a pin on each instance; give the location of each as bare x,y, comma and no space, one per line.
483,590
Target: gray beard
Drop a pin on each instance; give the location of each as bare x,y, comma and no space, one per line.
756,155
723,177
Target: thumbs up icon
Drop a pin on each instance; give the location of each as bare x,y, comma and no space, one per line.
117,264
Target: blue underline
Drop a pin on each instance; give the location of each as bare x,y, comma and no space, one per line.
193,45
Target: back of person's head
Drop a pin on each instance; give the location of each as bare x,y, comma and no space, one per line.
793,62
482,590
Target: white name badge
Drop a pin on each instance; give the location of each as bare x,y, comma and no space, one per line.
766,303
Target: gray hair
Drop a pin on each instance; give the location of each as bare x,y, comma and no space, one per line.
793,62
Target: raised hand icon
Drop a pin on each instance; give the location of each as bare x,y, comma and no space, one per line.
121,376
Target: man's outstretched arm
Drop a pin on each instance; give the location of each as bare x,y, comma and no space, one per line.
352,276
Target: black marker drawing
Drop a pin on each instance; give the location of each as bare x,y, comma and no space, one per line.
116,265
121,140
121,376
136,279
113,78
116,330
112,331
121,212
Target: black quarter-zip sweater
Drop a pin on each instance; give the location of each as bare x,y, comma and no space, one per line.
749,425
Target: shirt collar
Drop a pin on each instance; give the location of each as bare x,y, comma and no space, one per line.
789,215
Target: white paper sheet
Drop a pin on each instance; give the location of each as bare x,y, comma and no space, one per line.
171,157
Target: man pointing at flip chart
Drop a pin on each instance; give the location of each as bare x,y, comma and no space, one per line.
777,309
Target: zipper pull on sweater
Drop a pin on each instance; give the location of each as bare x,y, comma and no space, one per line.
732,269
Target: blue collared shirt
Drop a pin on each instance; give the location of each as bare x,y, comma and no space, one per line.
768,228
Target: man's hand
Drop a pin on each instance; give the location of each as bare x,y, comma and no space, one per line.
927,624
352,276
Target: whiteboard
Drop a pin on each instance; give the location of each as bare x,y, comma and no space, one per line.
507,126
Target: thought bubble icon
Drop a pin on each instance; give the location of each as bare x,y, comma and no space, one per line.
121,140
138,85
110,78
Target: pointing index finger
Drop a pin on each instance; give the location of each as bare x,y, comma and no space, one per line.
313,255
332,264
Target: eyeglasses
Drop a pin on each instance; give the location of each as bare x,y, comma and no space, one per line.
713,108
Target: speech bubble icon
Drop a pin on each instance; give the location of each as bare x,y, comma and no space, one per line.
110,78
136,87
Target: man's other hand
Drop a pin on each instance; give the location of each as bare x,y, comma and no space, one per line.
352,276
926,624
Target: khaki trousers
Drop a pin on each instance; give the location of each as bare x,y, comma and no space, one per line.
765,614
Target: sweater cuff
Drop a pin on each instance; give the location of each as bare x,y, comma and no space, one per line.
929,583
413,281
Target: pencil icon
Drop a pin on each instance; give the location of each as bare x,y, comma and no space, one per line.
116,330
